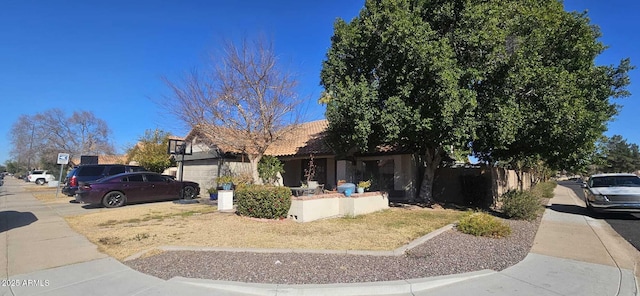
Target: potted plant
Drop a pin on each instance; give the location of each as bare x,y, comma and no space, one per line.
225,182
310,173
362,185
213,193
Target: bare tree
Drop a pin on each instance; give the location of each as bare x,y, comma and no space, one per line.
22,137
45,134
242,102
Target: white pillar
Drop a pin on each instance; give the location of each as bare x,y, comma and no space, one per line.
225,200
341,170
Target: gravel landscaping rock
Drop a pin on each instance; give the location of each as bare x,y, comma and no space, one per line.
448,253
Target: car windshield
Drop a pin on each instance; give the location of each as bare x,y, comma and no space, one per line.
615,181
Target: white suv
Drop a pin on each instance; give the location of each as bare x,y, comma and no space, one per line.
40,177
613,193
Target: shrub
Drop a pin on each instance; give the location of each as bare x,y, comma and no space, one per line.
224,179
260,201
364,184
269,167
483,224
545,189
521,205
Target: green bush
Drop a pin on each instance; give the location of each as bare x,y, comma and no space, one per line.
483,224
544,190
260,201
268,169
521,205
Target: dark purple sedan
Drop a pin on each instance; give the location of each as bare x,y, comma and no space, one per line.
118,190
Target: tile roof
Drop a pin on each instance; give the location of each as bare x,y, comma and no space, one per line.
103,159
307,138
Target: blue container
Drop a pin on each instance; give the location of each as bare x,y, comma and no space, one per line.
346,186
347,192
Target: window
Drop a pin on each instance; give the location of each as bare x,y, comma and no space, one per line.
90,171
136,169
133,178
154,178
629,181
381,174
115,170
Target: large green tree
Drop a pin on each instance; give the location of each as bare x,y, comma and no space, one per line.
516,79
546,99
390,78
619,156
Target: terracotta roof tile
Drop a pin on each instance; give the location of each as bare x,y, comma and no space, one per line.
104,159
307,138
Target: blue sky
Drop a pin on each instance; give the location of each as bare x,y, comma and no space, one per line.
108,57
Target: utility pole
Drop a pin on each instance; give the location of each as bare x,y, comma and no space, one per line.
30,147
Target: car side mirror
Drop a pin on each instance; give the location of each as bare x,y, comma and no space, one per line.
583,185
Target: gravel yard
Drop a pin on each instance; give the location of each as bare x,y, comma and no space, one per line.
448,253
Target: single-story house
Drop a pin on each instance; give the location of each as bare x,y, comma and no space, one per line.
388,169
395,171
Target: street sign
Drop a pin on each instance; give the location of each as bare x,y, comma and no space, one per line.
63,158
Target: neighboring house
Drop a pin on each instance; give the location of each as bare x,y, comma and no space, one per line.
102,159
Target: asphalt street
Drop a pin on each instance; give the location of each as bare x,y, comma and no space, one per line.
627,225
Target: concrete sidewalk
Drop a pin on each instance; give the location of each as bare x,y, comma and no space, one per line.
573,254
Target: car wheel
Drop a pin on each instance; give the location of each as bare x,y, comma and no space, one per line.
588,205
40,181
592,212
188,192
114,199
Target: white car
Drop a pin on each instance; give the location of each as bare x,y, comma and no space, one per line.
613,193
40,177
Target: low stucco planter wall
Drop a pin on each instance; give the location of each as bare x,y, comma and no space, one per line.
316,207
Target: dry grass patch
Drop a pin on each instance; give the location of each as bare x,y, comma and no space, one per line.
48,194
130,230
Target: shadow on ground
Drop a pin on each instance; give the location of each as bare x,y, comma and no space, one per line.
14,219
582,211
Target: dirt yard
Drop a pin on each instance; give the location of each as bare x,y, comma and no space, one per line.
141,228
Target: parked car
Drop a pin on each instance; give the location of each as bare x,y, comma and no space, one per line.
92,172
612,193
40,177
118,190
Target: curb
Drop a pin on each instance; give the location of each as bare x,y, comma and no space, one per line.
400,287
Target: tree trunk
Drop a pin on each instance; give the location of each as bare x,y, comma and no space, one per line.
520,181
431,162
254,160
